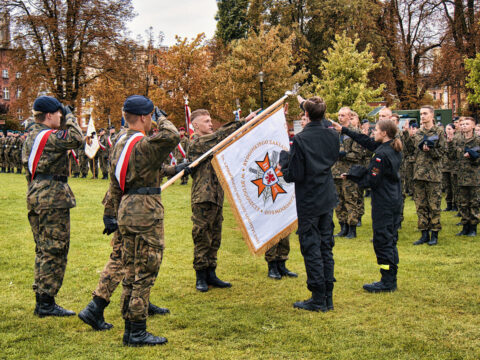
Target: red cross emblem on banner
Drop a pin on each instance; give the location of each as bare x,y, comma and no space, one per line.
269,180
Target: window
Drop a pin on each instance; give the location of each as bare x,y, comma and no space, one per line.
19,93
6,94
5,73
18,75
454,106
19,114
434,95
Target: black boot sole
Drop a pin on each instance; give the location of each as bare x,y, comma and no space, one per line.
87,319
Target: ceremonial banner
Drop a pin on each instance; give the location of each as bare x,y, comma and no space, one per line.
263,203
92,148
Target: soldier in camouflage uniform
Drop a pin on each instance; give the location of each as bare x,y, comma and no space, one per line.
140,212
49,199
184,141
448,169
103,153
429,144
83,159
350,154
9,153
2,151
207,200
465,150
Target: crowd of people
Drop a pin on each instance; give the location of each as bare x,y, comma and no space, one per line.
333,166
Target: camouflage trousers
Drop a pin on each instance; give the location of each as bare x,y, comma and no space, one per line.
455,188
51,232
447,185
142,254
428,197
361,202
408,179
103,160
347,208
83,159
280,251
113,271
207,221
469,204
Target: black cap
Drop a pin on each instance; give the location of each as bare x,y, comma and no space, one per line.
364,121
47,104
138,105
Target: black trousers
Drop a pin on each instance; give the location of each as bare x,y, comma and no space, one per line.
316,244
385,223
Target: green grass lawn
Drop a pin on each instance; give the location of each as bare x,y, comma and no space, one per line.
433,315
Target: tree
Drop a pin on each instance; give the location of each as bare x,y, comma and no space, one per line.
237,76
182,70
68,43
473,79
344,80
232,20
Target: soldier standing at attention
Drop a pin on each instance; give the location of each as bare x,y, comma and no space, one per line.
83,159
2,151
449,166
207,199
103,153
49,198
429,144
135,190
466,151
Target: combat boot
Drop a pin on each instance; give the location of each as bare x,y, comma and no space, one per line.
213,280
388,283
359,224
454,207
19,171
37,301
156,310
105,177
343,230
126,333
201,284
84,176
273,270
433,238
316,303
329,295
352,232
139,336
75,175
282,269
424,239
3,169
93,314
465,230
48,307
472,230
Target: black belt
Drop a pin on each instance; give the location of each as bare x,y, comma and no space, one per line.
41,177
144,191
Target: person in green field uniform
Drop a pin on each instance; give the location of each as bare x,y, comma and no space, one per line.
49,198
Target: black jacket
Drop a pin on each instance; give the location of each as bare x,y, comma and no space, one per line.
312,154
382,174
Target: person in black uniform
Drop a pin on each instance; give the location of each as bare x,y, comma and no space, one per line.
383,177
308,164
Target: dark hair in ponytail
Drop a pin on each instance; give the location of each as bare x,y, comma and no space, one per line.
391,129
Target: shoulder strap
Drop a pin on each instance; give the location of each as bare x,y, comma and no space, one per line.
37,150
122,164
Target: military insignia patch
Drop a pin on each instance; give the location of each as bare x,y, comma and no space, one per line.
61,134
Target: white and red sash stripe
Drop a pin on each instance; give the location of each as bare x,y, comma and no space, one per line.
173,161
109,142
122,165
180,148
37,150
101,146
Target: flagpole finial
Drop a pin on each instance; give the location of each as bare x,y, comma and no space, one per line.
185,97
294,91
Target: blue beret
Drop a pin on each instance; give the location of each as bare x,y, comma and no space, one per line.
138,105
414,125
47,104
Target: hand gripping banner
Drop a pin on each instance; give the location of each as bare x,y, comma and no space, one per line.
263,203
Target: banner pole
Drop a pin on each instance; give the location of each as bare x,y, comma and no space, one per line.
222,143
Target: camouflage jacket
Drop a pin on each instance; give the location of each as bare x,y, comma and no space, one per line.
351,154
51,194
205,186
2,149
144,170
470,169
408,147
449,165
428,164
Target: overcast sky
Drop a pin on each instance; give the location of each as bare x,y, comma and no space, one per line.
185,18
